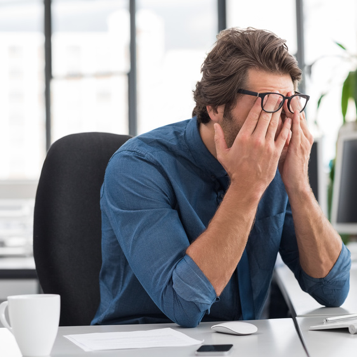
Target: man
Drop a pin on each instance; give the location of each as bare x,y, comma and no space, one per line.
194,213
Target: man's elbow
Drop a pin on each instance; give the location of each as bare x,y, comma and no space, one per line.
188,323
188,318
337,296
338,301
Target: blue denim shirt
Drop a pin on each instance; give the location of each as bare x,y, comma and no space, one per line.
160,191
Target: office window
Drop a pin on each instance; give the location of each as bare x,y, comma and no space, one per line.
90,62
22,128
327,21
22,120
173,38
277,16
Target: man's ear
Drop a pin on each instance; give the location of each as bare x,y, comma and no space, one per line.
216,114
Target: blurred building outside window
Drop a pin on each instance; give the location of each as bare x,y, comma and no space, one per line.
90,62
173,38
22,121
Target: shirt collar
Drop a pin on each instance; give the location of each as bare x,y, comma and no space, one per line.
201,155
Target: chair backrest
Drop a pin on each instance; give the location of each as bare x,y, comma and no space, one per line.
67,222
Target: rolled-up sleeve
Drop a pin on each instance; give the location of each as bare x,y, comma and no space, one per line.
330,291
139,201
192,285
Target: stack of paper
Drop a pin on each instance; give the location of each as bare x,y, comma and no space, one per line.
166,337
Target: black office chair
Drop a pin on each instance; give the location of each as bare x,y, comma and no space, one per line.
67,222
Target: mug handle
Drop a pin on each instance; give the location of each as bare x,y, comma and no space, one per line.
3,320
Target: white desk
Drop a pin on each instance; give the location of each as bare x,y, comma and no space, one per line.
302,304
274,338
326,343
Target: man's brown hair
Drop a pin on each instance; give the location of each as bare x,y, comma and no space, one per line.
225,68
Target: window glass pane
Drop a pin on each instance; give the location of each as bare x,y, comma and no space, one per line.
90,54
277,16
22,122
327,21
173,38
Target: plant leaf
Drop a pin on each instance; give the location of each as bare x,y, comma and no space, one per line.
320,99
340,45
346,95
354,89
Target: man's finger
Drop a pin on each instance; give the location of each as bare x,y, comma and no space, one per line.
296,128
266,119
285,106
273,125
284,135
303,124
252,119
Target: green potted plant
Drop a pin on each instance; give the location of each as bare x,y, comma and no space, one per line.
348,97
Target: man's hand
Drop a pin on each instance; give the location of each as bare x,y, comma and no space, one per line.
252,160
294,161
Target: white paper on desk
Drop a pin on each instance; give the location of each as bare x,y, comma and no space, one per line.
165,337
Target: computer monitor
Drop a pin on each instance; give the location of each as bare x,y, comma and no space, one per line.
344,200
317,176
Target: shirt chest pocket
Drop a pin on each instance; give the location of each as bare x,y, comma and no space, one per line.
264,241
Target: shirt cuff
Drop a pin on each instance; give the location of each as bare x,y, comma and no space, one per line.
192,285
331,290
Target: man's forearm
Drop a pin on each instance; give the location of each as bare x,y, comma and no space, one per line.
318,242
250,161
218,250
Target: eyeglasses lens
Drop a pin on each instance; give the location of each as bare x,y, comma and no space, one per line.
272,102
297,103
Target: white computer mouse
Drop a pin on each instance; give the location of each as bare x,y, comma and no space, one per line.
235,328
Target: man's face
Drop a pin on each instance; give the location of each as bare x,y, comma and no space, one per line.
257,81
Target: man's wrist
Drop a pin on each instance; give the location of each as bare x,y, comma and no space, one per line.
249,196
297,186
301,193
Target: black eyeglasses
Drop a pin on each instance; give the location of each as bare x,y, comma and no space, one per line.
272,102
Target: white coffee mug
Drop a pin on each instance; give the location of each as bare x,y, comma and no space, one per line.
34,322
